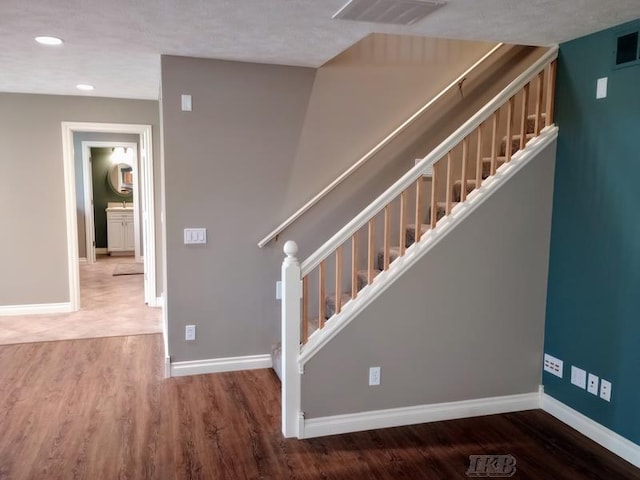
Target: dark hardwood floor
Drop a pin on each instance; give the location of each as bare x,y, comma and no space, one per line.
100,409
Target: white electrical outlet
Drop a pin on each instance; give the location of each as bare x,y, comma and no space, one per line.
190,333
592,384
578,377
605,390
374,376
553,365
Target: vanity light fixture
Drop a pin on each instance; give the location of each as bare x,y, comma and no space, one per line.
84,87
46,40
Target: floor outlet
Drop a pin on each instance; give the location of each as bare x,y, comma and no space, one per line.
374,376
592,384
605,390
190,333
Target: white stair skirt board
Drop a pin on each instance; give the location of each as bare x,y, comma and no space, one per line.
396,417
218,365
35,309
609,439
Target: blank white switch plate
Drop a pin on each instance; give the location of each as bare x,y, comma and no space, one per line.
601,88
185,103
195,235
592,384
578,377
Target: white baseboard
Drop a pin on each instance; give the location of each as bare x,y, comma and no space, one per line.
35,309
217,365
598,433
101,251
396,417
82,260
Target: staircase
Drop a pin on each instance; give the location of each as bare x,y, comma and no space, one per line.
357,264
385,258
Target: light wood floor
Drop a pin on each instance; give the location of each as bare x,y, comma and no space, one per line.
110,306
99,409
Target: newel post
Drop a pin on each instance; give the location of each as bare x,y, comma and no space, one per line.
291,294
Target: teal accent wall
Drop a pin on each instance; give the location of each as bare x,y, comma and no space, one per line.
593,297
102,192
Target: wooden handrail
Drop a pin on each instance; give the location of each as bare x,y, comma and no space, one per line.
344,175
466,129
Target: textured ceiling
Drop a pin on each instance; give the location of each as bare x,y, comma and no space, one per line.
116,44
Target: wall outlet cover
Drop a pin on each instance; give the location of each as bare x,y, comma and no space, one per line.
605,390
592,384
374,376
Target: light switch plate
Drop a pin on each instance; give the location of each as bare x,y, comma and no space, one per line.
601,88
185,103
195,236
553,365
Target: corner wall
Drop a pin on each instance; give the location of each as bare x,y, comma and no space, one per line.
593,301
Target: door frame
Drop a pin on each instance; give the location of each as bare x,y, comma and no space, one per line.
146,195
89,213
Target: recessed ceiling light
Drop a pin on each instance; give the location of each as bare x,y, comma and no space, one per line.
85,87
49,40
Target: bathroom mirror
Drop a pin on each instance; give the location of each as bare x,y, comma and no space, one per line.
120,179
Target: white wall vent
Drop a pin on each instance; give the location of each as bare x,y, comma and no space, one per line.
397,12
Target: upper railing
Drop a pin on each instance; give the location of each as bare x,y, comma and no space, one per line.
367,156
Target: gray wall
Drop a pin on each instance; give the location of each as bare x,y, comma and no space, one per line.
33,243
78,138
464,322
226,167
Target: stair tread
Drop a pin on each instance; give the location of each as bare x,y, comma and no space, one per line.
470,181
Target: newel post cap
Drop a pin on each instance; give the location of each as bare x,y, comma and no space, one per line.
291,248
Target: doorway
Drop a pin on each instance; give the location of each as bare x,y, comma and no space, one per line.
146,204
105,152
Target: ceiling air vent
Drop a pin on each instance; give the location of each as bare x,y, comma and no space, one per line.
397,12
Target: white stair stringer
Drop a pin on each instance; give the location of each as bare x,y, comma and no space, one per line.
431,238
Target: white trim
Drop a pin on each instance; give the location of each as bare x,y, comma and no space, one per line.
167,366
298,213
35,309
429,240
144,131
600,434
396,417
217,365
83,260
101,251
